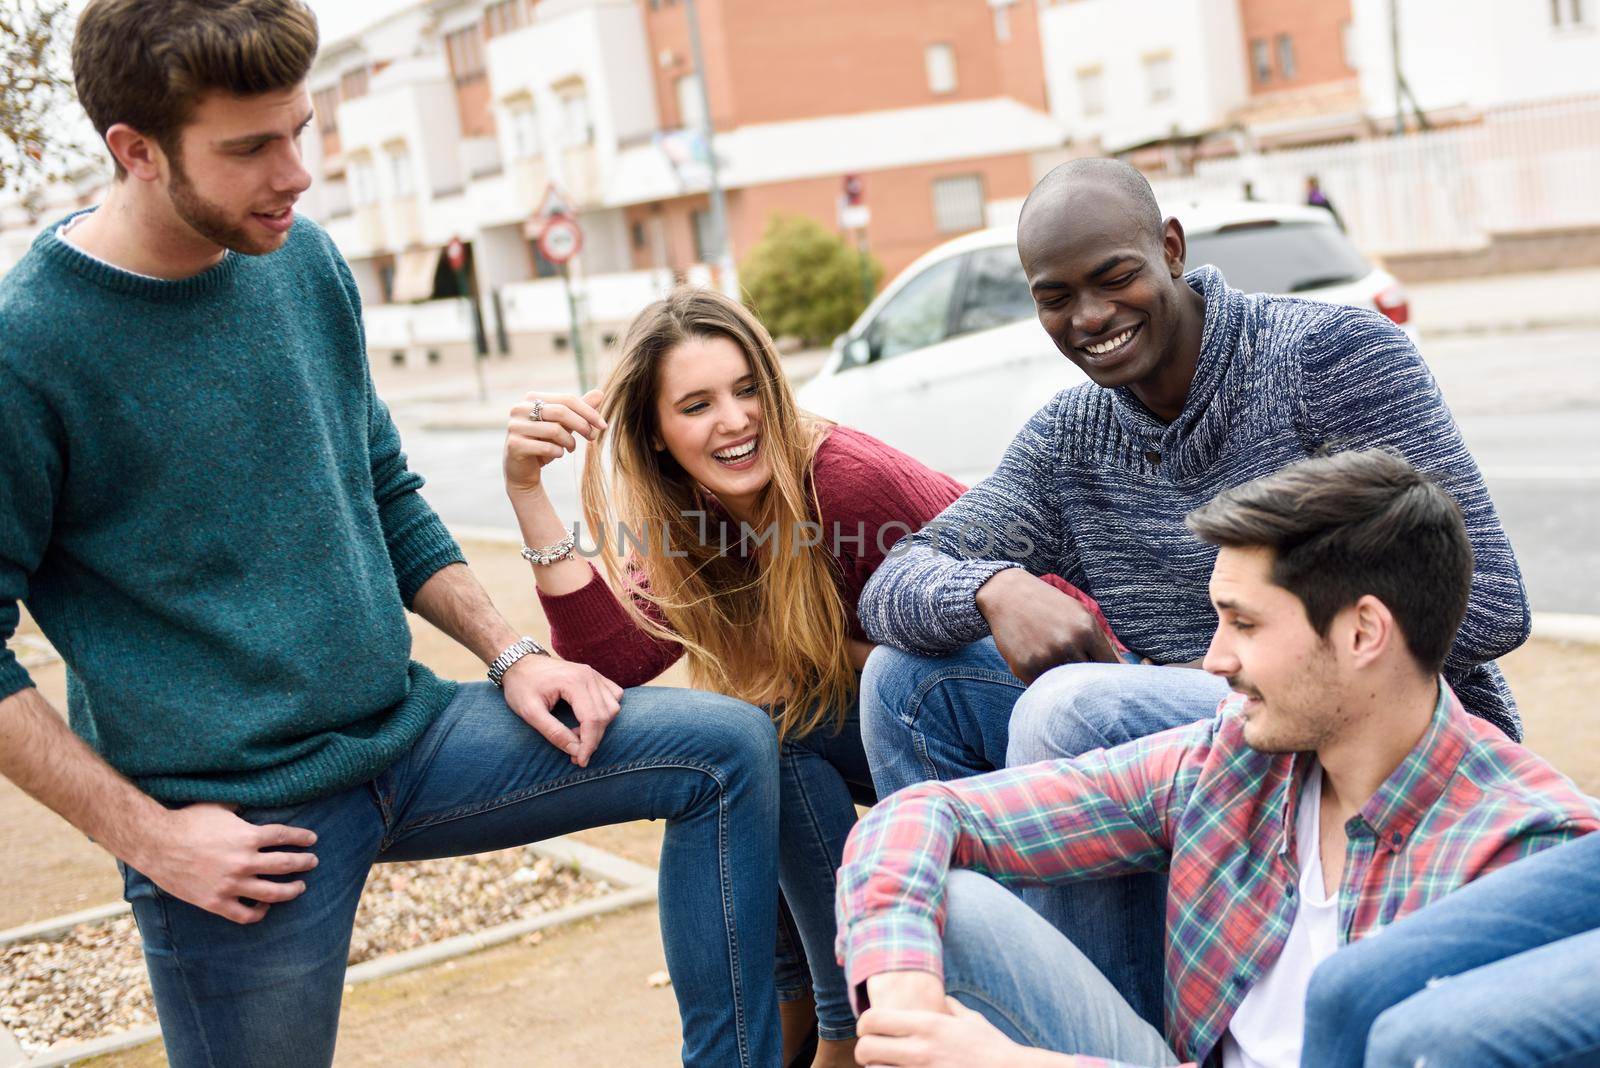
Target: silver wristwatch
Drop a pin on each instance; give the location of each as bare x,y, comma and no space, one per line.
518,649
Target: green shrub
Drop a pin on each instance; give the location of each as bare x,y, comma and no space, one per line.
802,280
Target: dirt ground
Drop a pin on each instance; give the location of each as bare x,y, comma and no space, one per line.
582,992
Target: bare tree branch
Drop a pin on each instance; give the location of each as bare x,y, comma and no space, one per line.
37,146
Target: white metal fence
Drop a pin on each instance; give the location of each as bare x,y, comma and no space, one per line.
1524,168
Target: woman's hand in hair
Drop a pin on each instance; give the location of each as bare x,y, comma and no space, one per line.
533,443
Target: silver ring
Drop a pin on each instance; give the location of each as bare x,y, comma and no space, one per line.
537,411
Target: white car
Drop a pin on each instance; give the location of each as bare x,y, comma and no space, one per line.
950,361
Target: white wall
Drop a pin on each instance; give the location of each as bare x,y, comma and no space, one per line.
1474,53
501,255
605,243
601,42
541,305
1203,37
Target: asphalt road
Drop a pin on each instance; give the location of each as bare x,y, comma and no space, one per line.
1528,405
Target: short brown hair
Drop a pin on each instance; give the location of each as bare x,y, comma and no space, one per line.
1354,524
146,63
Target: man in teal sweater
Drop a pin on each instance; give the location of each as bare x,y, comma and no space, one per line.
205,506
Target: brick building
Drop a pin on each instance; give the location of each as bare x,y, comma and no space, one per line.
452,118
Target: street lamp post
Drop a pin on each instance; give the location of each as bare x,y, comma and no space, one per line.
721,245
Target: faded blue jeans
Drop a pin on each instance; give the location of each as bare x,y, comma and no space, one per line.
1002,959
1503,973
479,779
964,714
823,775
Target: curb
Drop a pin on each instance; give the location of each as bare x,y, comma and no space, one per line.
638,885
61,924
1567,627
1576,322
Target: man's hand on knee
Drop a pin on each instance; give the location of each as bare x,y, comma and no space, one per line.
949,1035
1037,627
209,857
535,684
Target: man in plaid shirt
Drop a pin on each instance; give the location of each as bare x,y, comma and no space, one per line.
1340,786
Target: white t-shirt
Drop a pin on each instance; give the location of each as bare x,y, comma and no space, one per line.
1266,1030
65,228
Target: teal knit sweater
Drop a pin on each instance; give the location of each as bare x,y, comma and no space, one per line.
205,507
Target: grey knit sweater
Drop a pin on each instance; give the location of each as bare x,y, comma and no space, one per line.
1099,486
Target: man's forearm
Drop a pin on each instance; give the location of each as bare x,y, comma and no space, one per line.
925,601
54,766
454,601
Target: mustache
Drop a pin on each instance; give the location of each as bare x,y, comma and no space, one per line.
1237,684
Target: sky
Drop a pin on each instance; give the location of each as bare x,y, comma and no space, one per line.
338,18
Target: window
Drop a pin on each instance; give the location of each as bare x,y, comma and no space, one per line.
958,203
576,126
524,130
1002,19
1158,77
703,237
465,51
640,241
325,102
1261,59
363,182
1286,57
941,63
401,179
1092,90
1280,257
1567,13
1347,39
996,291
353,84
918,315
505,16
691,116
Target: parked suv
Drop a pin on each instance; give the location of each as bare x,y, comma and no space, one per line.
949,361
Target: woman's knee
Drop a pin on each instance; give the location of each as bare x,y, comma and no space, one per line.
737,736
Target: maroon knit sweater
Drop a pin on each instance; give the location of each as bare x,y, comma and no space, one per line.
863,486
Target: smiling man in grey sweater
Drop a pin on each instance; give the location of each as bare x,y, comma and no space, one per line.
1194,388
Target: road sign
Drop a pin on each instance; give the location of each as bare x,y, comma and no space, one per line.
553,204
853,211
561,239
456,253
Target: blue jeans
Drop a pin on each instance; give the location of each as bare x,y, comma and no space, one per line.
480,779
949,717
823,775
1003,960
1503,972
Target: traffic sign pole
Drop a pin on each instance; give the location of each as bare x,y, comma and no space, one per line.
854,215
456,253
577,334
560,240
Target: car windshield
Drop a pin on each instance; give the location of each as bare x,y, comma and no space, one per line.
1274,257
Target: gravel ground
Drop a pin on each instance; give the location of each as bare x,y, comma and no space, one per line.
91,982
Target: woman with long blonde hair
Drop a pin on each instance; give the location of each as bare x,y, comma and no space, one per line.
737,532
